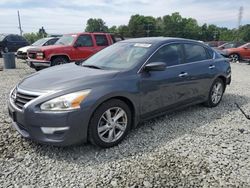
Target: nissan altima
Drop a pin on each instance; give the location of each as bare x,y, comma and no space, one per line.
102,99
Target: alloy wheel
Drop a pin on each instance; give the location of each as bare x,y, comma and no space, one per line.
234,58
112,124
217,92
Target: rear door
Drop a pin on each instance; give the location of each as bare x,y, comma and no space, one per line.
201,69
85,47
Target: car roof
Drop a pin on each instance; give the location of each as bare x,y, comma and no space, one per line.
103,33
159,40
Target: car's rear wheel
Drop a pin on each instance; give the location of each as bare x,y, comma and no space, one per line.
59,61
110,123
234,58
215,94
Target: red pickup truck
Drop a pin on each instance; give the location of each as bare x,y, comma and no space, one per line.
70,48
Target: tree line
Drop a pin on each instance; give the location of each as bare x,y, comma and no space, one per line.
173,25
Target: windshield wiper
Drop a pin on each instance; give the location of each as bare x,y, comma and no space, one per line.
92,66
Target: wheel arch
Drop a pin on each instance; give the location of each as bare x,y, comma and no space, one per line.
124,99
52,57
237,54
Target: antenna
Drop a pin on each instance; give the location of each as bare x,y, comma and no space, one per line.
19,22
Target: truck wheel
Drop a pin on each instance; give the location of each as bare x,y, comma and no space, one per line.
59,61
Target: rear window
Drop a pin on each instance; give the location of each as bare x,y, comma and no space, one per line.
195,53
101,40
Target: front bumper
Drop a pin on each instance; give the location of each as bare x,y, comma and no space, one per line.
21,55
33,63
55,128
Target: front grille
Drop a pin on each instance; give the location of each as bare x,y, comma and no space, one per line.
32,55
21,99
21,53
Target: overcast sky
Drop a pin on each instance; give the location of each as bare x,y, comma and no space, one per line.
64,16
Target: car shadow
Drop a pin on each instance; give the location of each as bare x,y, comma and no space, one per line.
146,137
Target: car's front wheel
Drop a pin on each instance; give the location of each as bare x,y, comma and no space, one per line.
110,123
59,61
215,94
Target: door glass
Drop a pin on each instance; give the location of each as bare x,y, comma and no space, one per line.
101,40
84,41
195,52
170,54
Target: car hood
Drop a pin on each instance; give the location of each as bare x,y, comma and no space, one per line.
24,49
51,47
63,77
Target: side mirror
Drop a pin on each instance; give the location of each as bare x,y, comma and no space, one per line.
245,47
76,45
155,66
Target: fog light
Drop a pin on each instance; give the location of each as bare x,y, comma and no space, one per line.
51,130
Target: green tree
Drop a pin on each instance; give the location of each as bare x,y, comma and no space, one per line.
123,30
244,33
142,26
96,25
113,29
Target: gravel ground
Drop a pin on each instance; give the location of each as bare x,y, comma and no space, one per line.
194,147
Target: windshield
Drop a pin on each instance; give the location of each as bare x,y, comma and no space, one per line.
119,56
244,45
40,42
66,40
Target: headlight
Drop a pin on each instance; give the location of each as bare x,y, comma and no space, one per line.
39,55
66,102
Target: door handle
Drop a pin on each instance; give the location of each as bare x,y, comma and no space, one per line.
211,67
183,74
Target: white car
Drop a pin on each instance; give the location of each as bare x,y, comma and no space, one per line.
22,52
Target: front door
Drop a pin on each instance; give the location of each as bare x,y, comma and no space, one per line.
162,89
84,47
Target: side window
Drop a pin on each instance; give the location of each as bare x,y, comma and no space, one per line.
84,41
248,46
50,42
210,53
195,52
170,54
101,40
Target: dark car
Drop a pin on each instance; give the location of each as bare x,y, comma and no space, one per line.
112,91
11,43
234,44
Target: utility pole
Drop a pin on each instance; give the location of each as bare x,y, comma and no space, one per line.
240,16
239,22
19,22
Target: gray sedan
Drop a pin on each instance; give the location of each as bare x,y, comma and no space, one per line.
102,99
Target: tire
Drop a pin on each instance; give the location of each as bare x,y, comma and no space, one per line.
59,61
215,93
37,68
105,133
234,58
